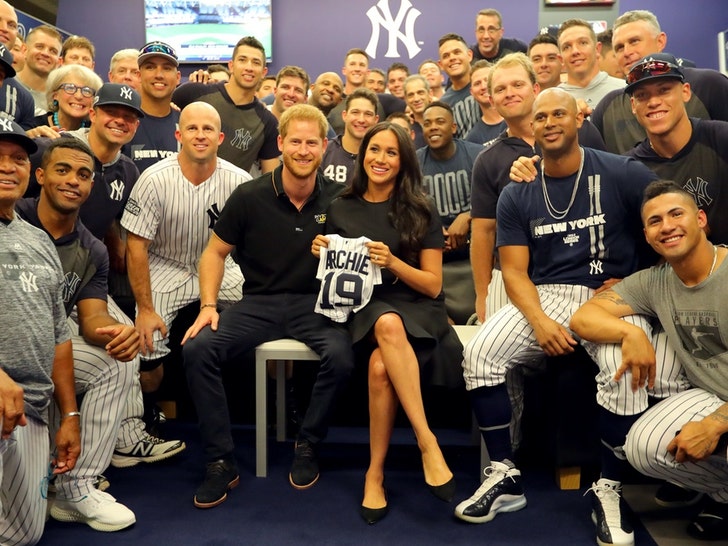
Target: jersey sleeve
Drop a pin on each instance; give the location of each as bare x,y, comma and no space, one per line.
510,230
484,194
636,290
142,211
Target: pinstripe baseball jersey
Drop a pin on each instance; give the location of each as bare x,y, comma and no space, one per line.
347,277
178,218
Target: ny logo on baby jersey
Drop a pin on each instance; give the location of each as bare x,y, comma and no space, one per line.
381,18
116,190
214,213
596,267
28,282
242,139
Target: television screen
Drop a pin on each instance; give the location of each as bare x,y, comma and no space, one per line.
206,31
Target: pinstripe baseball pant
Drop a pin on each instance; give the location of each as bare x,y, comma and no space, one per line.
168,304
24,468
646,446
507,340
105,384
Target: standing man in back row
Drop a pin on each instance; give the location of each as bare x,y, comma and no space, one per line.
491,45
455,59
250,129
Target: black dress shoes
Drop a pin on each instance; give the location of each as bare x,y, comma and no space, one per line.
373,515
444,492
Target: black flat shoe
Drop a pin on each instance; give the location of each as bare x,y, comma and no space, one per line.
444,492
373,515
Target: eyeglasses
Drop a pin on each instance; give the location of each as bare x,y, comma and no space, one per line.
158,47
71,89
489,30
649,69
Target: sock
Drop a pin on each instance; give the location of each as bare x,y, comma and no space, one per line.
492,409
614,429
150,402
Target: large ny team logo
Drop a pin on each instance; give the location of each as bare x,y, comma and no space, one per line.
116,190
380,16
28,282
213,213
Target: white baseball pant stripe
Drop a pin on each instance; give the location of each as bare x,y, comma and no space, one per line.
646,446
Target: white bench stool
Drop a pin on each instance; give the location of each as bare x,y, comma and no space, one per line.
281,350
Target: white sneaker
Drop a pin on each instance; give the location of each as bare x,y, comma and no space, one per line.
149,450
98,510
610,514
502,491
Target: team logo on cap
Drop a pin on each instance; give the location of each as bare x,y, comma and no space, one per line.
2,50
126,93
6,126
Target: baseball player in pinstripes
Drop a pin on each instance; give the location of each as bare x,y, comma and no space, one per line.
677,439
36,363
169,218
560,239
103,348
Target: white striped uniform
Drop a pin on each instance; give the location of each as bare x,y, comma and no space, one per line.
24,469
105,384
507,339
178,217
347,277
646,446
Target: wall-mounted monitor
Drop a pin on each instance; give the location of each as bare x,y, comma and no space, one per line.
206,31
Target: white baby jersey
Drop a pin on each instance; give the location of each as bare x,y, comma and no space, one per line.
347,277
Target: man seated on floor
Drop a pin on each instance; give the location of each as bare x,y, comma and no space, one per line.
269,222
572,232
103,348
682,438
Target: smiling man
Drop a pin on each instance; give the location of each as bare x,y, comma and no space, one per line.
270,223
159,77
573,231
446,164
43,44
291,87
339,159
455,59
417,96
104,349
169,218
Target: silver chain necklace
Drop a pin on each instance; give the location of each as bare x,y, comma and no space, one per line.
553,211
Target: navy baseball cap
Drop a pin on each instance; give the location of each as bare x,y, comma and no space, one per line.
658,65
6,61
119,95
9,130
158,49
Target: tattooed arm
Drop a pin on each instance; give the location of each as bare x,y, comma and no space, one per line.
697,440
599,320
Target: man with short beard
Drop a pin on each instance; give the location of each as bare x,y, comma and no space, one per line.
270,223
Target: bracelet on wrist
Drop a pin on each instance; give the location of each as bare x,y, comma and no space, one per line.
71,414
208,305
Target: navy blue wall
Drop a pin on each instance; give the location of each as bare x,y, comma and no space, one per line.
315,34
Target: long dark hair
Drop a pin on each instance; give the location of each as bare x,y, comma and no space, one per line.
409,212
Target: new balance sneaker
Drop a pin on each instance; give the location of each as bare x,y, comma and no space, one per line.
98,510
670,495
149,450
502,491
711,523
220,477
305,469
610,514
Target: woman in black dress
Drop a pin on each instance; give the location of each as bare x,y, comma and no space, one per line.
404,327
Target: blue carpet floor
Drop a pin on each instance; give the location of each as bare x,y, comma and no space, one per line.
270,511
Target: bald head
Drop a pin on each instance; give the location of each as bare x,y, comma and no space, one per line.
199,110
326,91
556,95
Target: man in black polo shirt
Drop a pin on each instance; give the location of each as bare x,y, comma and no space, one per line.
270,223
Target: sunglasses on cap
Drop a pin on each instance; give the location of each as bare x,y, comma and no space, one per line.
651,69
158,47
